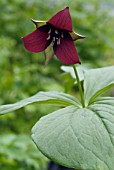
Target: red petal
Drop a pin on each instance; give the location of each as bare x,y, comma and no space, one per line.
66,51
36,41
62,20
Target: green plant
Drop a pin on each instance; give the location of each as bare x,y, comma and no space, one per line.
96,116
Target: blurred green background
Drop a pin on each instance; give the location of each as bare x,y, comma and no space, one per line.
23,74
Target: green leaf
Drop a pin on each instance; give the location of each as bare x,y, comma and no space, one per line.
105,100
70,70
52,97
78,138
96,82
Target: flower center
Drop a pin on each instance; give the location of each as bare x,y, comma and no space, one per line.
55,36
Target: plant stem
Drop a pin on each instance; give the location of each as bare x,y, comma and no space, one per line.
79,86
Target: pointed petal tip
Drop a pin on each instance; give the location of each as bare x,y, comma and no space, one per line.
76,36
62,20
79,62
32,20
73,63
38,23
81,37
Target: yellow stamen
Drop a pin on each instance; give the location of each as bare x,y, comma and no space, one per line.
56,31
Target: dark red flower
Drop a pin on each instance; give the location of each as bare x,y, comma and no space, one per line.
54,37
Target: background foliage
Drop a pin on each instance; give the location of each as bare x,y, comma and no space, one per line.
23,74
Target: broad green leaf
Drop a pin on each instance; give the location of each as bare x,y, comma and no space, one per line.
105,100
78,138
52,97
96,82
70,70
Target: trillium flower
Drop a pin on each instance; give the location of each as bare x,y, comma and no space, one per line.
54,37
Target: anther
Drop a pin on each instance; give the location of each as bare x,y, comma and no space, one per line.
56,31
53,38
48,37
58,41
49,31
62,35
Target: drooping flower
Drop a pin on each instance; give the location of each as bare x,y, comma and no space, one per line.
54,37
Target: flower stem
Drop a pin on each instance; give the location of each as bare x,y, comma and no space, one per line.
79,86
